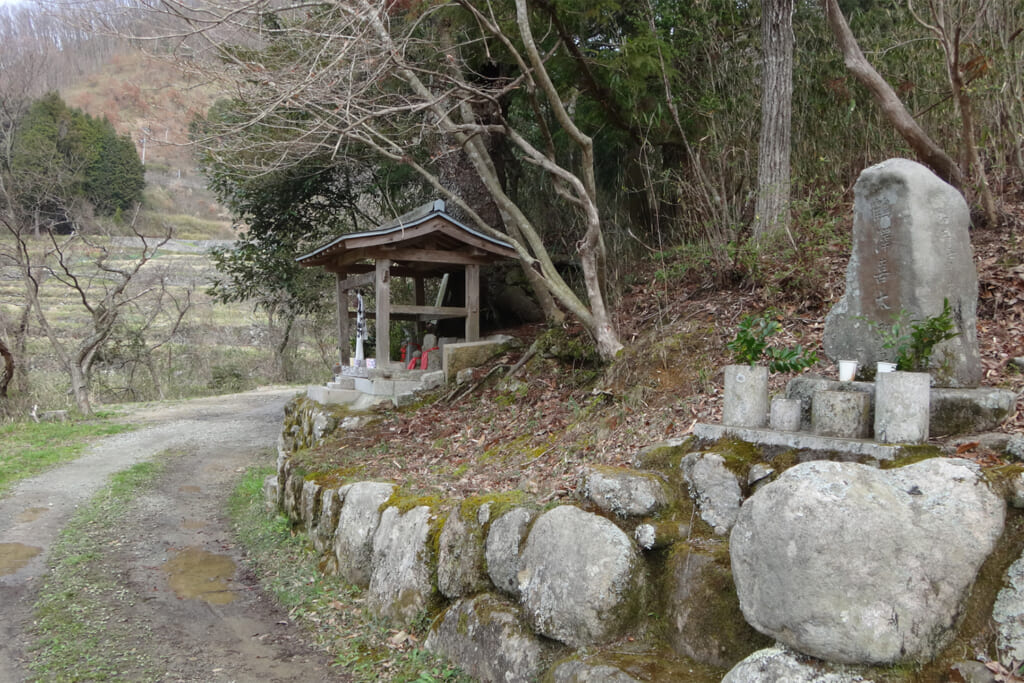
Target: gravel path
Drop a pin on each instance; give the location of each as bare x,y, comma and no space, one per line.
214,440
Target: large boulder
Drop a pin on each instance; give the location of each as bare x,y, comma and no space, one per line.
357,524
777,665
853,564
704,618
400,583
1008,614
911,250
714,488
331,501
460,557
580,577
484,637
309,505
293,496
504,543
624,492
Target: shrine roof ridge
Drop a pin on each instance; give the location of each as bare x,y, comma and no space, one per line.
410,219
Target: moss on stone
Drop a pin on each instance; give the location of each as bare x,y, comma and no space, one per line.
1001,478
712,605
783,461
739,455
666,457
976,633
500,502
908,455
338,477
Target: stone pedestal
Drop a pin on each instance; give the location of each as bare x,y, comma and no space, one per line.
902,407
841,413
785,415
746,396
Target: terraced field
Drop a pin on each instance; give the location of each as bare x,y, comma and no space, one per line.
214,347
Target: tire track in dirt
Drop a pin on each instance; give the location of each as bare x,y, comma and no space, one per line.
214,439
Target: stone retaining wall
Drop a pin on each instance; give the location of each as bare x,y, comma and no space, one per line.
517,591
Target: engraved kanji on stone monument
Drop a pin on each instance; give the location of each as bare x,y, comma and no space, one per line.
911,250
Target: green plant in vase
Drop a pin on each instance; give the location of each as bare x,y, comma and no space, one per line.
750,346
913,341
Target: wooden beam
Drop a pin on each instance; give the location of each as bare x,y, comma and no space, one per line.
472,303
341,301
356,281
442,256
427,311
420,296
415,314
382,288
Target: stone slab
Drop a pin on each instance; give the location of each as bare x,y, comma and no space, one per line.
457,357
327,396
798,440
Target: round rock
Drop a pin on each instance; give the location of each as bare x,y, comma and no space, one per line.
855,565
579,574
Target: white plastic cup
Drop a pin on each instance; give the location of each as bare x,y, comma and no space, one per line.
847,370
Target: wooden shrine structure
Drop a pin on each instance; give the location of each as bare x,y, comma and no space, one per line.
423,243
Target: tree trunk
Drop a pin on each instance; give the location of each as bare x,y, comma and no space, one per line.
20,346
8,373
963,103
282,350
885,97
773,182
80,389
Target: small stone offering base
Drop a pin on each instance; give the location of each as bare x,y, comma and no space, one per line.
953,411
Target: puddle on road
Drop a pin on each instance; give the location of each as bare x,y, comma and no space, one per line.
14,556
190,489
193,524
31,514
197,574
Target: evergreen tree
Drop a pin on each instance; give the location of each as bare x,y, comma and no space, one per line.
61,155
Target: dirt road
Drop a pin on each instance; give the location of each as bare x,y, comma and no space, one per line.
231,634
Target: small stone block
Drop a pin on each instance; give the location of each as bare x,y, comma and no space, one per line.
902,407
843,414
785,414
432,380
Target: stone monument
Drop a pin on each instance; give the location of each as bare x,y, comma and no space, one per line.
911,250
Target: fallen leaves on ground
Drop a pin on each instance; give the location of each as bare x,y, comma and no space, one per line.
537,431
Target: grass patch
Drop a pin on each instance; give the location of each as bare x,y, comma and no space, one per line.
33,447
367,646
77,634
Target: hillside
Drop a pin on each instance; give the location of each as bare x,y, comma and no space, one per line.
154,103
537,430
